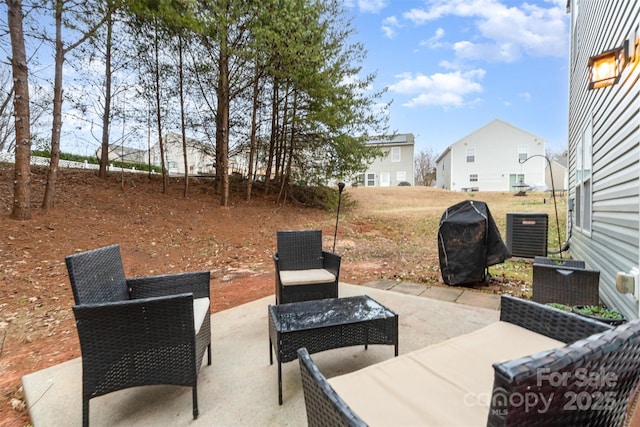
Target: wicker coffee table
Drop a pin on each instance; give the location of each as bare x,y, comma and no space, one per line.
326,324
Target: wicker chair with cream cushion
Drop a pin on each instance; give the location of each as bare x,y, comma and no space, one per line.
303,270
137,331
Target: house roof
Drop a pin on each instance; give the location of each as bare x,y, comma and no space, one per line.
491,123
396,139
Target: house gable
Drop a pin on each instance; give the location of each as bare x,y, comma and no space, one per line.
489,159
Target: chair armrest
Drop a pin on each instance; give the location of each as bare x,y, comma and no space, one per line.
109,330
589,382
196,283
551,322
331,262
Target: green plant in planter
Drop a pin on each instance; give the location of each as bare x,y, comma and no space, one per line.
597,311
603,314
562,307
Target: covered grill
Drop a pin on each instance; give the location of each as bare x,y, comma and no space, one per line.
468,242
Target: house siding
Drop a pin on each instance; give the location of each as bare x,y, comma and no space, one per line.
496,147
612,113
386,168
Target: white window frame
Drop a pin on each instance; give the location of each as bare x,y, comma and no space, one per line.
473,177
395,154
370,180
471,155
584,181
523,153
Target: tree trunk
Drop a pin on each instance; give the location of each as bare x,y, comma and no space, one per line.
274,135
50,191
106,115
286,173
22,173
222,123
159,112
182,118
254,119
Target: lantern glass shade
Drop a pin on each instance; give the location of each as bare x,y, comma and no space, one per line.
605,69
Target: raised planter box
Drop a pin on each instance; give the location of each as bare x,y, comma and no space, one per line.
565,282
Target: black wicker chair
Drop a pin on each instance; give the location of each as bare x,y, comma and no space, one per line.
589,382
324,407
137,331
303,270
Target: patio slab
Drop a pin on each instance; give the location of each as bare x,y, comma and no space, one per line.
444,294
240,387
480,299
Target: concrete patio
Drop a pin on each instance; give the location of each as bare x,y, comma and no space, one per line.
240,388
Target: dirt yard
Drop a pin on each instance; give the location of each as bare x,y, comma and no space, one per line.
382,233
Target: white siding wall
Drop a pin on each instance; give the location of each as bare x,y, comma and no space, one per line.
496,158
611,119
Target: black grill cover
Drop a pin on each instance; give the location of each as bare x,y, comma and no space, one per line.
468,243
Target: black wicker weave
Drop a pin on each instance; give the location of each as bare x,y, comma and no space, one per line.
302,250
324,407
588,382
136,332
327,324
569,284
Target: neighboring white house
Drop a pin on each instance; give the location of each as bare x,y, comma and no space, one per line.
395,167
555,175
604,144
200,156
489,159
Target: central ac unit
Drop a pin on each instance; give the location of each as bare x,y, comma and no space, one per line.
527,234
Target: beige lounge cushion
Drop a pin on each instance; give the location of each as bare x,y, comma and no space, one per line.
445,384
306,277
200,309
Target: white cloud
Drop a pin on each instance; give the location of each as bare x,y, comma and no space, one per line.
434,41
441,89
371,6
505,32
388,26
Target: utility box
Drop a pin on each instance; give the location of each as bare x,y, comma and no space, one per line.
527,234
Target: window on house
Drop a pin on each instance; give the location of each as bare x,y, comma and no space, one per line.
395,154
473,177
360,179
371,179
583,180
401,176
471,155
523,153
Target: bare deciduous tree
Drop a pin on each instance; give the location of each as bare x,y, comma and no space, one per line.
425,167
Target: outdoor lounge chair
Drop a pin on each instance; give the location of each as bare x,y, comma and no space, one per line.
303,270
137,331
589,376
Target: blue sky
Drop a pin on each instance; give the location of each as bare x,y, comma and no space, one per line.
451,66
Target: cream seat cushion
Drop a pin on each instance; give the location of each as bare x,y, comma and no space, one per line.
445,384
200,309
306,277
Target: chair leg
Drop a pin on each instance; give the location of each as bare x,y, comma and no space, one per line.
85,412
209,355
195,402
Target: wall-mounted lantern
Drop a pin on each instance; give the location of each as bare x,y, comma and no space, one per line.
605,69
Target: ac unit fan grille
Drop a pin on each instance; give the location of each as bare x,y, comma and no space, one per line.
527,234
